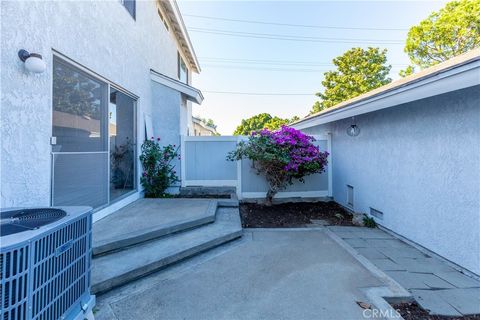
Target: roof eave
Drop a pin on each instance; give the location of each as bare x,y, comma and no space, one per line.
181,33
399,92
191,93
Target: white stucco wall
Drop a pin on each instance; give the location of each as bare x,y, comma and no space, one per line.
100,35
418,163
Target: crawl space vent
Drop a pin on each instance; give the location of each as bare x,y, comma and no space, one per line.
376,213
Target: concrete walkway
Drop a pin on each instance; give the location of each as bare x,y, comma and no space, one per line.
434,284
146,219
274,274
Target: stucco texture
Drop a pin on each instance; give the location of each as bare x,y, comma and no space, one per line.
418,163
100,35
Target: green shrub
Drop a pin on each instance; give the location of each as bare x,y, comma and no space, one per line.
369,222
158,171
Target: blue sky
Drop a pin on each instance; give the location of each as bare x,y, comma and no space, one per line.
302,63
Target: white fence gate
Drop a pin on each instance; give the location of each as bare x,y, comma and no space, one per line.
203,163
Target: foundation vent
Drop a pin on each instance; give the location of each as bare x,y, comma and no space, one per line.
349,196
376,213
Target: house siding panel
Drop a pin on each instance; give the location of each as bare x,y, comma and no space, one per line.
418,163
99,35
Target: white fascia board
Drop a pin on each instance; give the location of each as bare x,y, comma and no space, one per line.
183,30
190,92
454,79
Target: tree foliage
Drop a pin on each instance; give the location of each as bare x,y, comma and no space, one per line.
282,156
76,94
453,30
208,122
357,71
261,121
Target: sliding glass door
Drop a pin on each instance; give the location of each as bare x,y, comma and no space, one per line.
121,117
93,158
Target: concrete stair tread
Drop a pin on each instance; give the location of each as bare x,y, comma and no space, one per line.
120,267
147,219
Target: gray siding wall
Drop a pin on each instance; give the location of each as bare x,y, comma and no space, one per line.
166,117
100,35
418,163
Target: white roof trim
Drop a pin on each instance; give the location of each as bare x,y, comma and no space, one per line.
180,32
191,93
183,28
455,78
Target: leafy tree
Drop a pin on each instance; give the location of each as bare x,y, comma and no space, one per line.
317,107
76,94
208,122
358,71
261,121
453,30
408,71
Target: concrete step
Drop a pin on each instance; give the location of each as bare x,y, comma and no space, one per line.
225,196
121,267
200,191
148,219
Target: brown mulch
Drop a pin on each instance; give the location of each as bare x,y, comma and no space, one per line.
293,214
412,311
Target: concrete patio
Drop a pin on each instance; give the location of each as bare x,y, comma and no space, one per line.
436,285
316,272
269,274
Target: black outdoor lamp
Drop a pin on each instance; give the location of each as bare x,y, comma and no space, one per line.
353,130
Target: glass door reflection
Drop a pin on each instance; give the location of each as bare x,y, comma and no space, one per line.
121,116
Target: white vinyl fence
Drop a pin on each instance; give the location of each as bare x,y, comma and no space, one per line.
203,163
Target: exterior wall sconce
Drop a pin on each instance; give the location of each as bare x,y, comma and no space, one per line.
353,130
33,61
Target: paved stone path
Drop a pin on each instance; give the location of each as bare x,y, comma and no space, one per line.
434,284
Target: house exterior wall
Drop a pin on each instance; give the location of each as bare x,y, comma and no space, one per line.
101,36
167,117
419,164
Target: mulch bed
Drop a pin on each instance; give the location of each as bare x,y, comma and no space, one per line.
293,214
412,311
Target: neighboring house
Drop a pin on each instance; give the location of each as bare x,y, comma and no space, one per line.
201,128
117,72
415,165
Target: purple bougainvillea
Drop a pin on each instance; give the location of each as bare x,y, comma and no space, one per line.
281,156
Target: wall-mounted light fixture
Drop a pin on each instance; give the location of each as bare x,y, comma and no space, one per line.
33,61
353,130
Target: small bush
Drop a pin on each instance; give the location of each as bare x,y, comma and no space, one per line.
369,222
158,171
281,156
